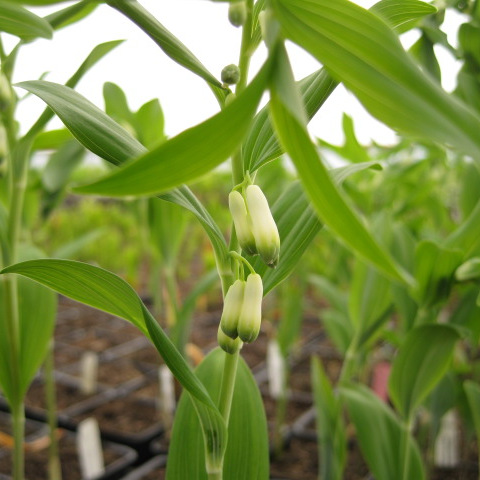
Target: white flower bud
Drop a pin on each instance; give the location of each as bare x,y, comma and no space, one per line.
251,314
242,223
264,228
228,344
232,306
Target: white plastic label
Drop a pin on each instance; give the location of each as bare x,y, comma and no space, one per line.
276,370
89,448
167,394
447,448
89,373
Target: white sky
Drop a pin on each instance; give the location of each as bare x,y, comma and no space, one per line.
144,72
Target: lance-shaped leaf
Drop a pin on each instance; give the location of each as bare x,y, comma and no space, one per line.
380,435
94,56
331,206
170,44
360,50
402,15
90,126
22,23
37,3
101,134
420,363
105,291
246,457
332,441
190,154
35,330
261,144
71,14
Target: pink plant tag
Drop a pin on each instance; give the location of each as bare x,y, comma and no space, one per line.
381,372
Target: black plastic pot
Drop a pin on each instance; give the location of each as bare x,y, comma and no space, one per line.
118,459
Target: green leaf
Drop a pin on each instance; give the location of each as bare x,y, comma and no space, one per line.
351,150
360,50
70,249
51,140
424,52
331,206
116,104
170,44
187,156
465,238
434,271
88,124
38,3
380,434
331,434
72,14
118,146
422,360
61,164
369,300
247,456
472,391
35,330
105,291
402,15
470,270
22,23
94,56
261,144
149,123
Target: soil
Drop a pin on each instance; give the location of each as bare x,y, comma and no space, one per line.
124,357
36,463
67,395
124,416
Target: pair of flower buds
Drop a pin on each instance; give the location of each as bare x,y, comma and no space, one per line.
256,229
242,313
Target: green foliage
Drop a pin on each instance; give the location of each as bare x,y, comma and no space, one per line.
420,363
247,427
380,434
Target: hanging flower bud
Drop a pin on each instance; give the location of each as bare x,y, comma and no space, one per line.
251,313
237,13
230,74
228,344
232,306
242,223
264,228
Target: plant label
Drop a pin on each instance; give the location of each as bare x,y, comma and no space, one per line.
89,373
89,448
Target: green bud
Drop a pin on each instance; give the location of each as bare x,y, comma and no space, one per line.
251,314
243,229
230,74
237,13
228,344
232,306
264,228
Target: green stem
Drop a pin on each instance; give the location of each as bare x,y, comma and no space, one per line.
215,476
18,415
54,470
239,258
349,362
405,448
228,385
172,291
